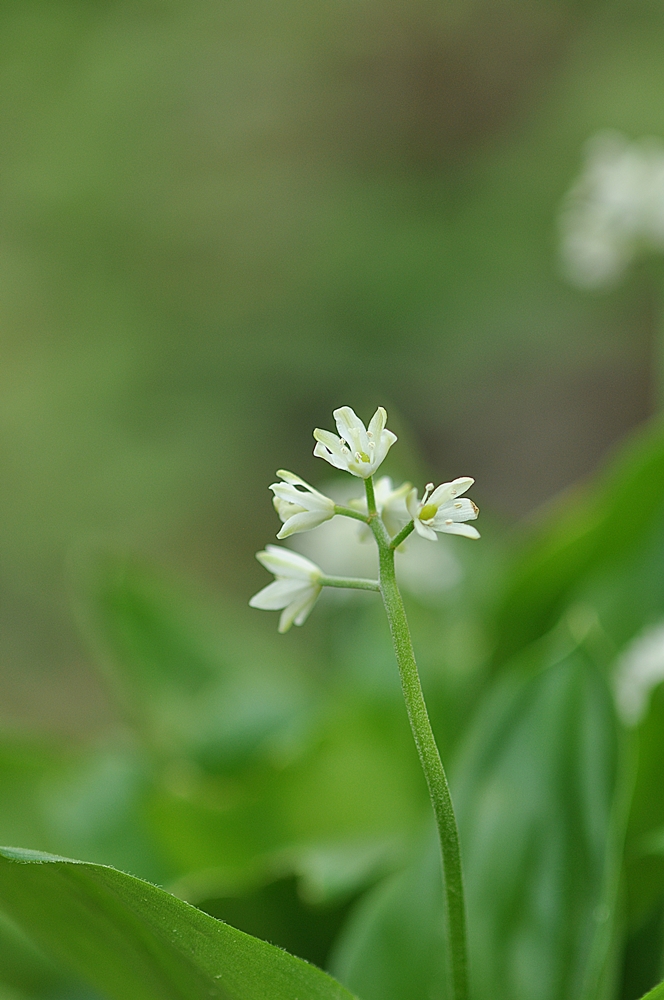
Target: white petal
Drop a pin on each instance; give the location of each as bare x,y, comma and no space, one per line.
456,510
349,425
278,594
448,491
305,607
382,491
290,477
425,531
329,441
293,480
328,446
298,611
306,501
304,521
361,469
285,508
378,421
286,563
383,444
460,529
412,505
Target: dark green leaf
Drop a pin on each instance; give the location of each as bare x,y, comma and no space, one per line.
129,939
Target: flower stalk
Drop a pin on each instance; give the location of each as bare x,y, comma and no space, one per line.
391,515
432,765
349,583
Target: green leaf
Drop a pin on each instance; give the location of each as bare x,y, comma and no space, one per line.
127,938
191,679
586,531
535,795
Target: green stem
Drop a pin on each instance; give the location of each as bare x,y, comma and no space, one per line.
371,498
402,535
349,512
352,582
432,765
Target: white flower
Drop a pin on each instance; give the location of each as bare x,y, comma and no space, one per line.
614,210
390,504
295,588
299,509
358,450
441,510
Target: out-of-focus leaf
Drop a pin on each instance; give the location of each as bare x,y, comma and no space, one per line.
644,863
128,938
587,530
351,787
192,681
88,801
535,797
276,912
393,946
150,633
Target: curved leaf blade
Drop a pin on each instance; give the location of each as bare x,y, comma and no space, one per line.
128,938
535,795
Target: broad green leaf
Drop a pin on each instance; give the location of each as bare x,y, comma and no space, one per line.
22,965
393,947
128,938
534,793
586,530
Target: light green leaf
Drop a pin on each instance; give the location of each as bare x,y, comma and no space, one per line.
535,797
128,938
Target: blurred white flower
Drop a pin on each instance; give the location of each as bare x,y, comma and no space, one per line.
299,505
295,588
614,210
638,671
390,504
441,510
358,449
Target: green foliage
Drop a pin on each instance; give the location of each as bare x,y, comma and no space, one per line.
288,800
587,534
534,791
130,939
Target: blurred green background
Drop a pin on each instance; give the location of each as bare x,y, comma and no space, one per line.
218,221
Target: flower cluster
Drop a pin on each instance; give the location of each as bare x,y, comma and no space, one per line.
614,210
360,451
